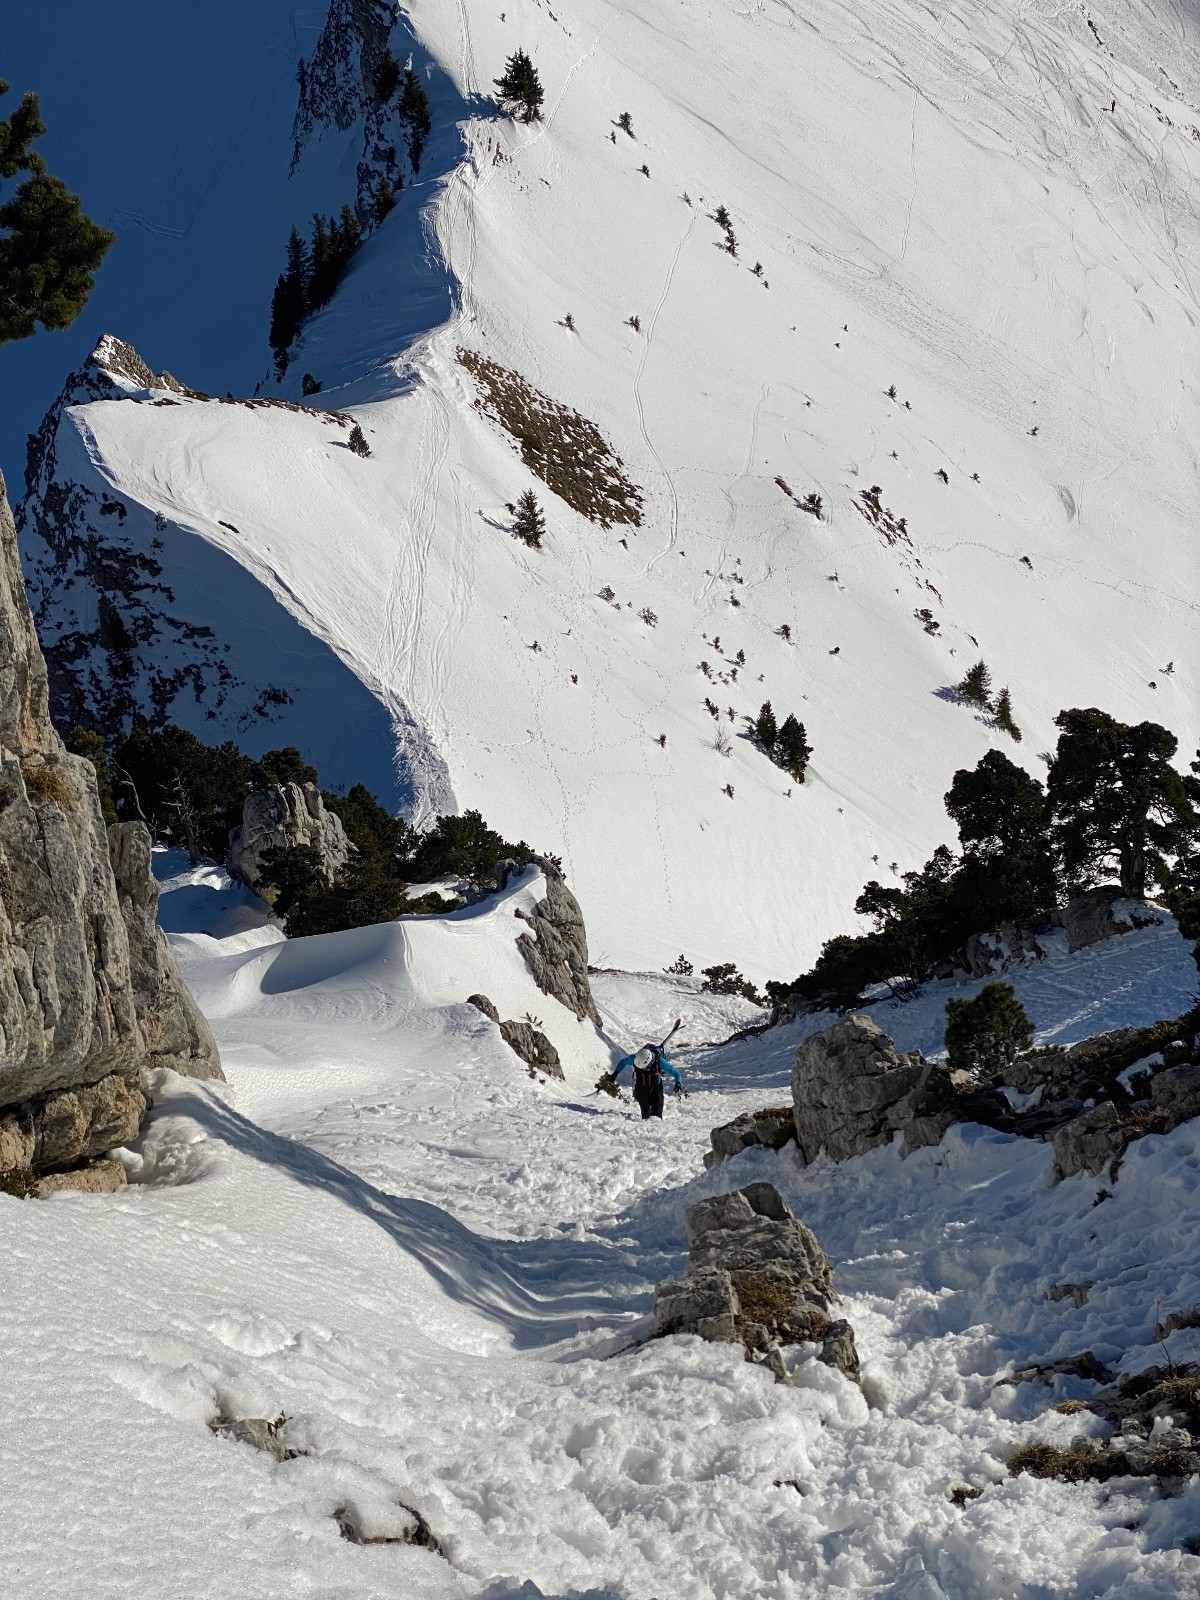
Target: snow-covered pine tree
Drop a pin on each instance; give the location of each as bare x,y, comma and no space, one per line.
529,524
520,87
976,688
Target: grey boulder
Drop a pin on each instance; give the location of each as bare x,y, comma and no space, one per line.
283,817
852,1091
771,1128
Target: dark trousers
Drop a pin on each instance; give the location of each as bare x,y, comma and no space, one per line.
650,1100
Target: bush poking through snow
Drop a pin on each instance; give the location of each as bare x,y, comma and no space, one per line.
19,1182
358,442
566,451
720,742
813,504
648,617
681,967
987,1034
519,88
625,123
529,524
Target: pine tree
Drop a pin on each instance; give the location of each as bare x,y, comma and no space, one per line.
1006,873
1004,716
385,199
387,77
766,729
529,524
289,300
358,441
521,87
323,267
1116,802
792,748
976,687
987,1034
347,236
49,250
414,115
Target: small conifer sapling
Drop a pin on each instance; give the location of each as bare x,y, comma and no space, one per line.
976,688
529,524
1004,716
987,1034
358,441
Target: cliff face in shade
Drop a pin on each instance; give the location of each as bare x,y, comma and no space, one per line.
81,997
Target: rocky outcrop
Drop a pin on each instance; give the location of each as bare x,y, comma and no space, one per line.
282,817
852,1090
72,1126
555,950
71,996
174,1031
756,1275
339,85
525,1039
1094,916
1102,1133
771,1129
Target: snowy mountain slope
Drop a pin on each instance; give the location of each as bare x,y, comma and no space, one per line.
941,203
174,125
437,1269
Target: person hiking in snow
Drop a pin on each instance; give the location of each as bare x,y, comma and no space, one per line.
648,1066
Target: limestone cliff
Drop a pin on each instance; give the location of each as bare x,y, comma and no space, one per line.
82,998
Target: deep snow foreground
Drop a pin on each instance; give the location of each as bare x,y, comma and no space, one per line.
989,209
440,1270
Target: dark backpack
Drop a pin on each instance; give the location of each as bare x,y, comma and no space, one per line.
647,1079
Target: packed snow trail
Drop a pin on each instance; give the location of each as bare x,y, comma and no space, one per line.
441,1271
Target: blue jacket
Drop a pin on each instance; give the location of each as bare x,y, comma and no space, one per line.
662,1061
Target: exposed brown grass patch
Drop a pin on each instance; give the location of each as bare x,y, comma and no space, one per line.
566,451
45,783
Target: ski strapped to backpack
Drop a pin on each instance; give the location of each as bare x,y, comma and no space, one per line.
606,1084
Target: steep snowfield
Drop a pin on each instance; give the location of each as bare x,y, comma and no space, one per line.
940,200
441,1271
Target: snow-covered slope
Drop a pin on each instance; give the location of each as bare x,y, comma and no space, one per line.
440,1272
990,209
